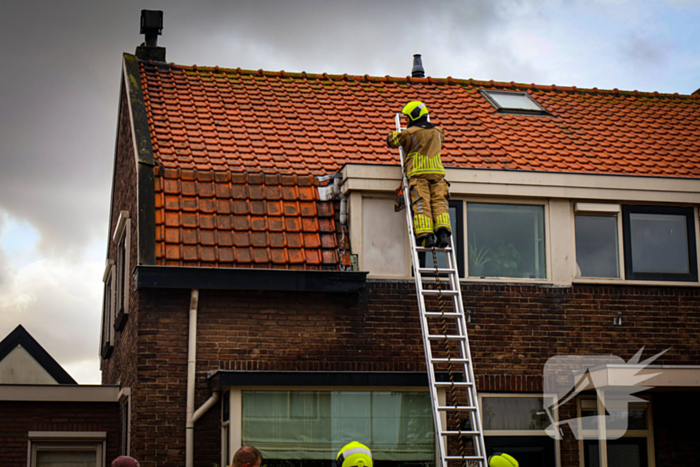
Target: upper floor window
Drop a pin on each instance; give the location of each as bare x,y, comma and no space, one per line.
122,239
506,240
108,311
513,102
657,242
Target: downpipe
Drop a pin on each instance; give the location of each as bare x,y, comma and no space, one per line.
193,416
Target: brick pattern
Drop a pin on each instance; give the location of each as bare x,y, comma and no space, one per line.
19,418
224,219
277,122
514,330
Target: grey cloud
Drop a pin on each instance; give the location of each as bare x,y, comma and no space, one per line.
642,52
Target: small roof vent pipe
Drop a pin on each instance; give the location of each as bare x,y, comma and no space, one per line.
417,71
151,27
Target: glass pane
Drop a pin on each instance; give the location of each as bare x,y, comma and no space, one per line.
398,425
596,246
66,459
659,243
442,257
513,101
514,413
506,240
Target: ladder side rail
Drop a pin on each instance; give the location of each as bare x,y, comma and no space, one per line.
480,445
441,443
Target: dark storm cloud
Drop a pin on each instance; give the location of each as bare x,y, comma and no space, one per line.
59,83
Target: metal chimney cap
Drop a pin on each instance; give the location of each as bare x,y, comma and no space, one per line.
151,22
417,71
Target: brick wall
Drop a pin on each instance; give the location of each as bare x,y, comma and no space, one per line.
514,330
19,418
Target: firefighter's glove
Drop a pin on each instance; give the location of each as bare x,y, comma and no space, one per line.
399,201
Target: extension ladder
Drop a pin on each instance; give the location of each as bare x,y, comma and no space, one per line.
457,418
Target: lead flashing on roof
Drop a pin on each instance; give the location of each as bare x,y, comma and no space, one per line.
183,277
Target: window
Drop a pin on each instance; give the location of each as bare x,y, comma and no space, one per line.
506,240
513,102
108,311
516,424
60,449
659,243
597,240
456,222
296,428
122,238
633,446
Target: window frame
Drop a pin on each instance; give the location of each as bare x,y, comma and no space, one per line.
601,209
547,238
67,441
520,433
487,93
108,311
647,434
690,215
122,240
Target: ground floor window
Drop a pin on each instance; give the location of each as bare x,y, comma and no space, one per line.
307,428
62,449
516,424
628,426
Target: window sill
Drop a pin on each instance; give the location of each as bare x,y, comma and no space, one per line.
602,281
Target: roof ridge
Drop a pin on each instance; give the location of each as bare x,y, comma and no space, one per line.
427,80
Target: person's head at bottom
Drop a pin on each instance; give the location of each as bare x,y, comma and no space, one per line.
125,461
247,456
354,455
501,459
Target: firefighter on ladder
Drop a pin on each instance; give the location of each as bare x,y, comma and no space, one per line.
422,142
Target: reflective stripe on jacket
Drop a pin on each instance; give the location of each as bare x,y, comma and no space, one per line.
422,148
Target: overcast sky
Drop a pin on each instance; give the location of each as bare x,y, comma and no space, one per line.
59,87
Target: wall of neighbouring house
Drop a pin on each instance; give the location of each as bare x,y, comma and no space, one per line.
514,330
18,418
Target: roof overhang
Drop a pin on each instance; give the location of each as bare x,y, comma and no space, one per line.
649,376
335,379
183,277
60,393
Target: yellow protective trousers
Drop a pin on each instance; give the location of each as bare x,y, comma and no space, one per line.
429,201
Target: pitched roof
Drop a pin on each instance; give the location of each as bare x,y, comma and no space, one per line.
20,337
237,150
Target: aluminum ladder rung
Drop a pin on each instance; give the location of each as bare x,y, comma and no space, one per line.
449,360
447,314
445,337
447,384
446,275
459,433
438,292
457,408
422,249
439,271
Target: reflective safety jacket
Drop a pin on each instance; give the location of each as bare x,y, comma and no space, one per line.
422,148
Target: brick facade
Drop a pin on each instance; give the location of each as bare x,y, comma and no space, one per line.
514,330
19,418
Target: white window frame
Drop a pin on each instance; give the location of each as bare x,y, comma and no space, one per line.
490,96
122,241
482,396
512,201
95,441
602,209
108,307
648,433
235,423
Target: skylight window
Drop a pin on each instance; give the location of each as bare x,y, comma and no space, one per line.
513,102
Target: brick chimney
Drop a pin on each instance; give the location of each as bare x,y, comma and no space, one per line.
151,27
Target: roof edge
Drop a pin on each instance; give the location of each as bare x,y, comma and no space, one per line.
143,148
189,277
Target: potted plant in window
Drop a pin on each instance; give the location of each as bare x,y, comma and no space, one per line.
478,257
506,260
